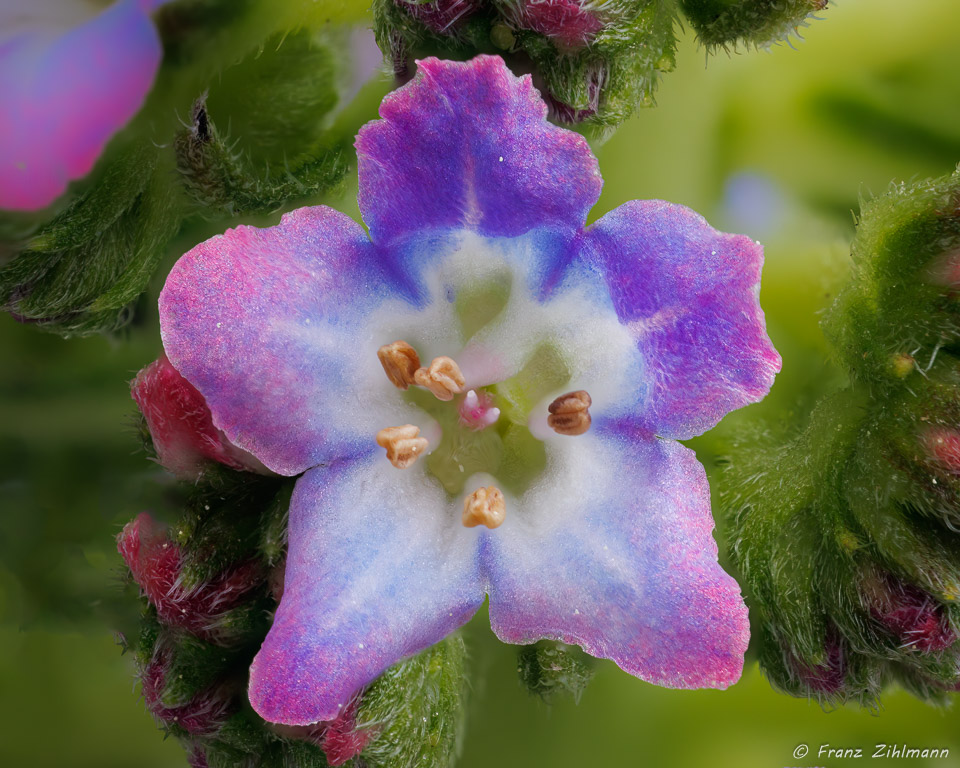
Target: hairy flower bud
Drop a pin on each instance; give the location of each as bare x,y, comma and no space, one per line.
202,715
340,739
208,609
181,427
911,614
853,521
593,63
721,24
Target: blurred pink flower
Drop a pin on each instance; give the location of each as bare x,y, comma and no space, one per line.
69,80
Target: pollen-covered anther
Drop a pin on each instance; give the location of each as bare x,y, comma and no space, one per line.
485,506
442,377
403,444
400,362
570,413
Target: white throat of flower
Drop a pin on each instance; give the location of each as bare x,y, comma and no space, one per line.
476,387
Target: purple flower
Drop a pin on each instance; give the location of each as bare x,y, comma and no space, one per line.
573,507
66,90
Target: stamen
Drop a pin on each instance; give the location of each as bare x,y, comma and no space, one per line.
485,506
403,444
570,414
400,361
442,377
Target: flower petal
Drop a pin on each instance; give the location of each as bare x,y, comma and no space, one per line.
688,294
467,145
65,95
379,568
617,557
264,323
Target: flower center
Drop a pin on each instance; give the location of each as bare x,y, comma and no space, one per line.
490,409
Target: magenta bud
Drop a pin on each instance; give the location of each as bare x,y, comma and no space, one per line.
440,16
945,270
571,23
157,566
181,425
910,614
203,715
942,445
340,739
829,677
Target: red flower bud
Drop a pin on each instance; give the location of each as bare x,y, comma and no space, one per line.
441,16
203,715
943,446
830,676
572,23
339,739
157,566
945,270
181,425
911,615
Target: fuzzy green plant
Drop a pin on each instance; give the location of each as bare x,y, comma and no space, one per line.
274,77
727,24
846,529
594,63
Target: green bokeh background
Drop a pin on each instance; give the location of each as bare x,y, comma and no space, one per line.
872,95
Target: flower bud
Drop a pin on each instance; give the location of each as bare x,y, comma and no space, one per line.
181,426
550,669
828,677
725,23
909,613
212,609
340,739
202,715
592,64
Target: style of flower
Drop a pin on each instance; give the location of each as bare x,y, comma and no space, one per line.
526,375
65,91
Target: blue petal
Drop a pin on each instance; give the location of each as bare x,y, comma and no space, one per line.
688,294
467,145
271,325
613,551
379,568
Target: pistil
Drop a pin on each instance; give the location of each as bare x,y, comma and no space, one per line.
477,410
485,506
570,413
403,444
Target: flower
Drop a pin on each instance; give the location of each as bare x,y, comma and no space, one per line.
66,91
574,509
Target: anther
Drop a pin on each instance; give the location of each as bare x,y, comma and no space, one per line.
442,377
400,361
402,443
570,413
485,506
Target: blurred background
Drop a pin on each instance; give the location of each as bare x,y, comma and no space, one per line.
780,145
